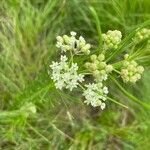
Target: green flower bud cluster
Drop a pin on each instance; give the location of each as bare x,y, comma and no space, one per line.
111,39
98,67
131,71
141,35
71,43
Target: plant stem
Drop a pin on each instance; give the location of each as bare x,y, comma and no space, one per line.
130,96
111,99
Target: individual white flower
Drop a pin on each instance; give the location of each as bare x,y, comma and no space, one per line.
82,41
102,77
73,33
71,43
65,75
111,39
103,105
95,94
59,84
63,58
105,90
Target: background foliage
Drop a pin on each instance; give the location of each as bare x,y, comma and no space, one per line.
27,46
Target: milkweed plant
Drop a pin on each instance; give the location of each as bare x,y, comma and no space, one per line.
97,69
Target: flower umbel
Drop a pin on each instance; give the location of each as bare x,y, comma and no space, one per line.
98,67
131,71
95,94
71,43
111,39
65,75
142,35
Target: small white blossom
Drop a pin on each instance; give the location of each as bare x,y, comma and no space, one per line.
103,105
65,76
73,33
95,94
105,90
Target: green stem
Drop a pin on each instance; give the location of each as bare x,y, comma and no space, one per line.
88,73
118,64
81,87
9,114
38,133
111,99
117,71
130,96
71,60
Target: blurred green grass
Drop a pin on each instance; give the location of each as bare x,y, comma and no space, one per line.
27,46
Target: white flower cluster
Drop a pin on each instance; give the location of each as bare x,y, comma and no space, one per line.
95,94
71,43
65,76
131,71
99,68
141,35
111,39
65,72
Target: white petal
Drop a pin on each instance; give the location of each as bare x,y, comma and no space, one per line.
103,105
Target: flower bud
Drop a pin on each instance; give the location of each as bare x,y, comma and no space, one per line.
102,65
130,67
126,56
93,66
72,33
96,73
100,85
138,76
102,72
126,63
124,72
140,69
133,79
93,57
101,57
87,52
67,47
109,68
133,63
87,64
66,38
59,39
96,62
